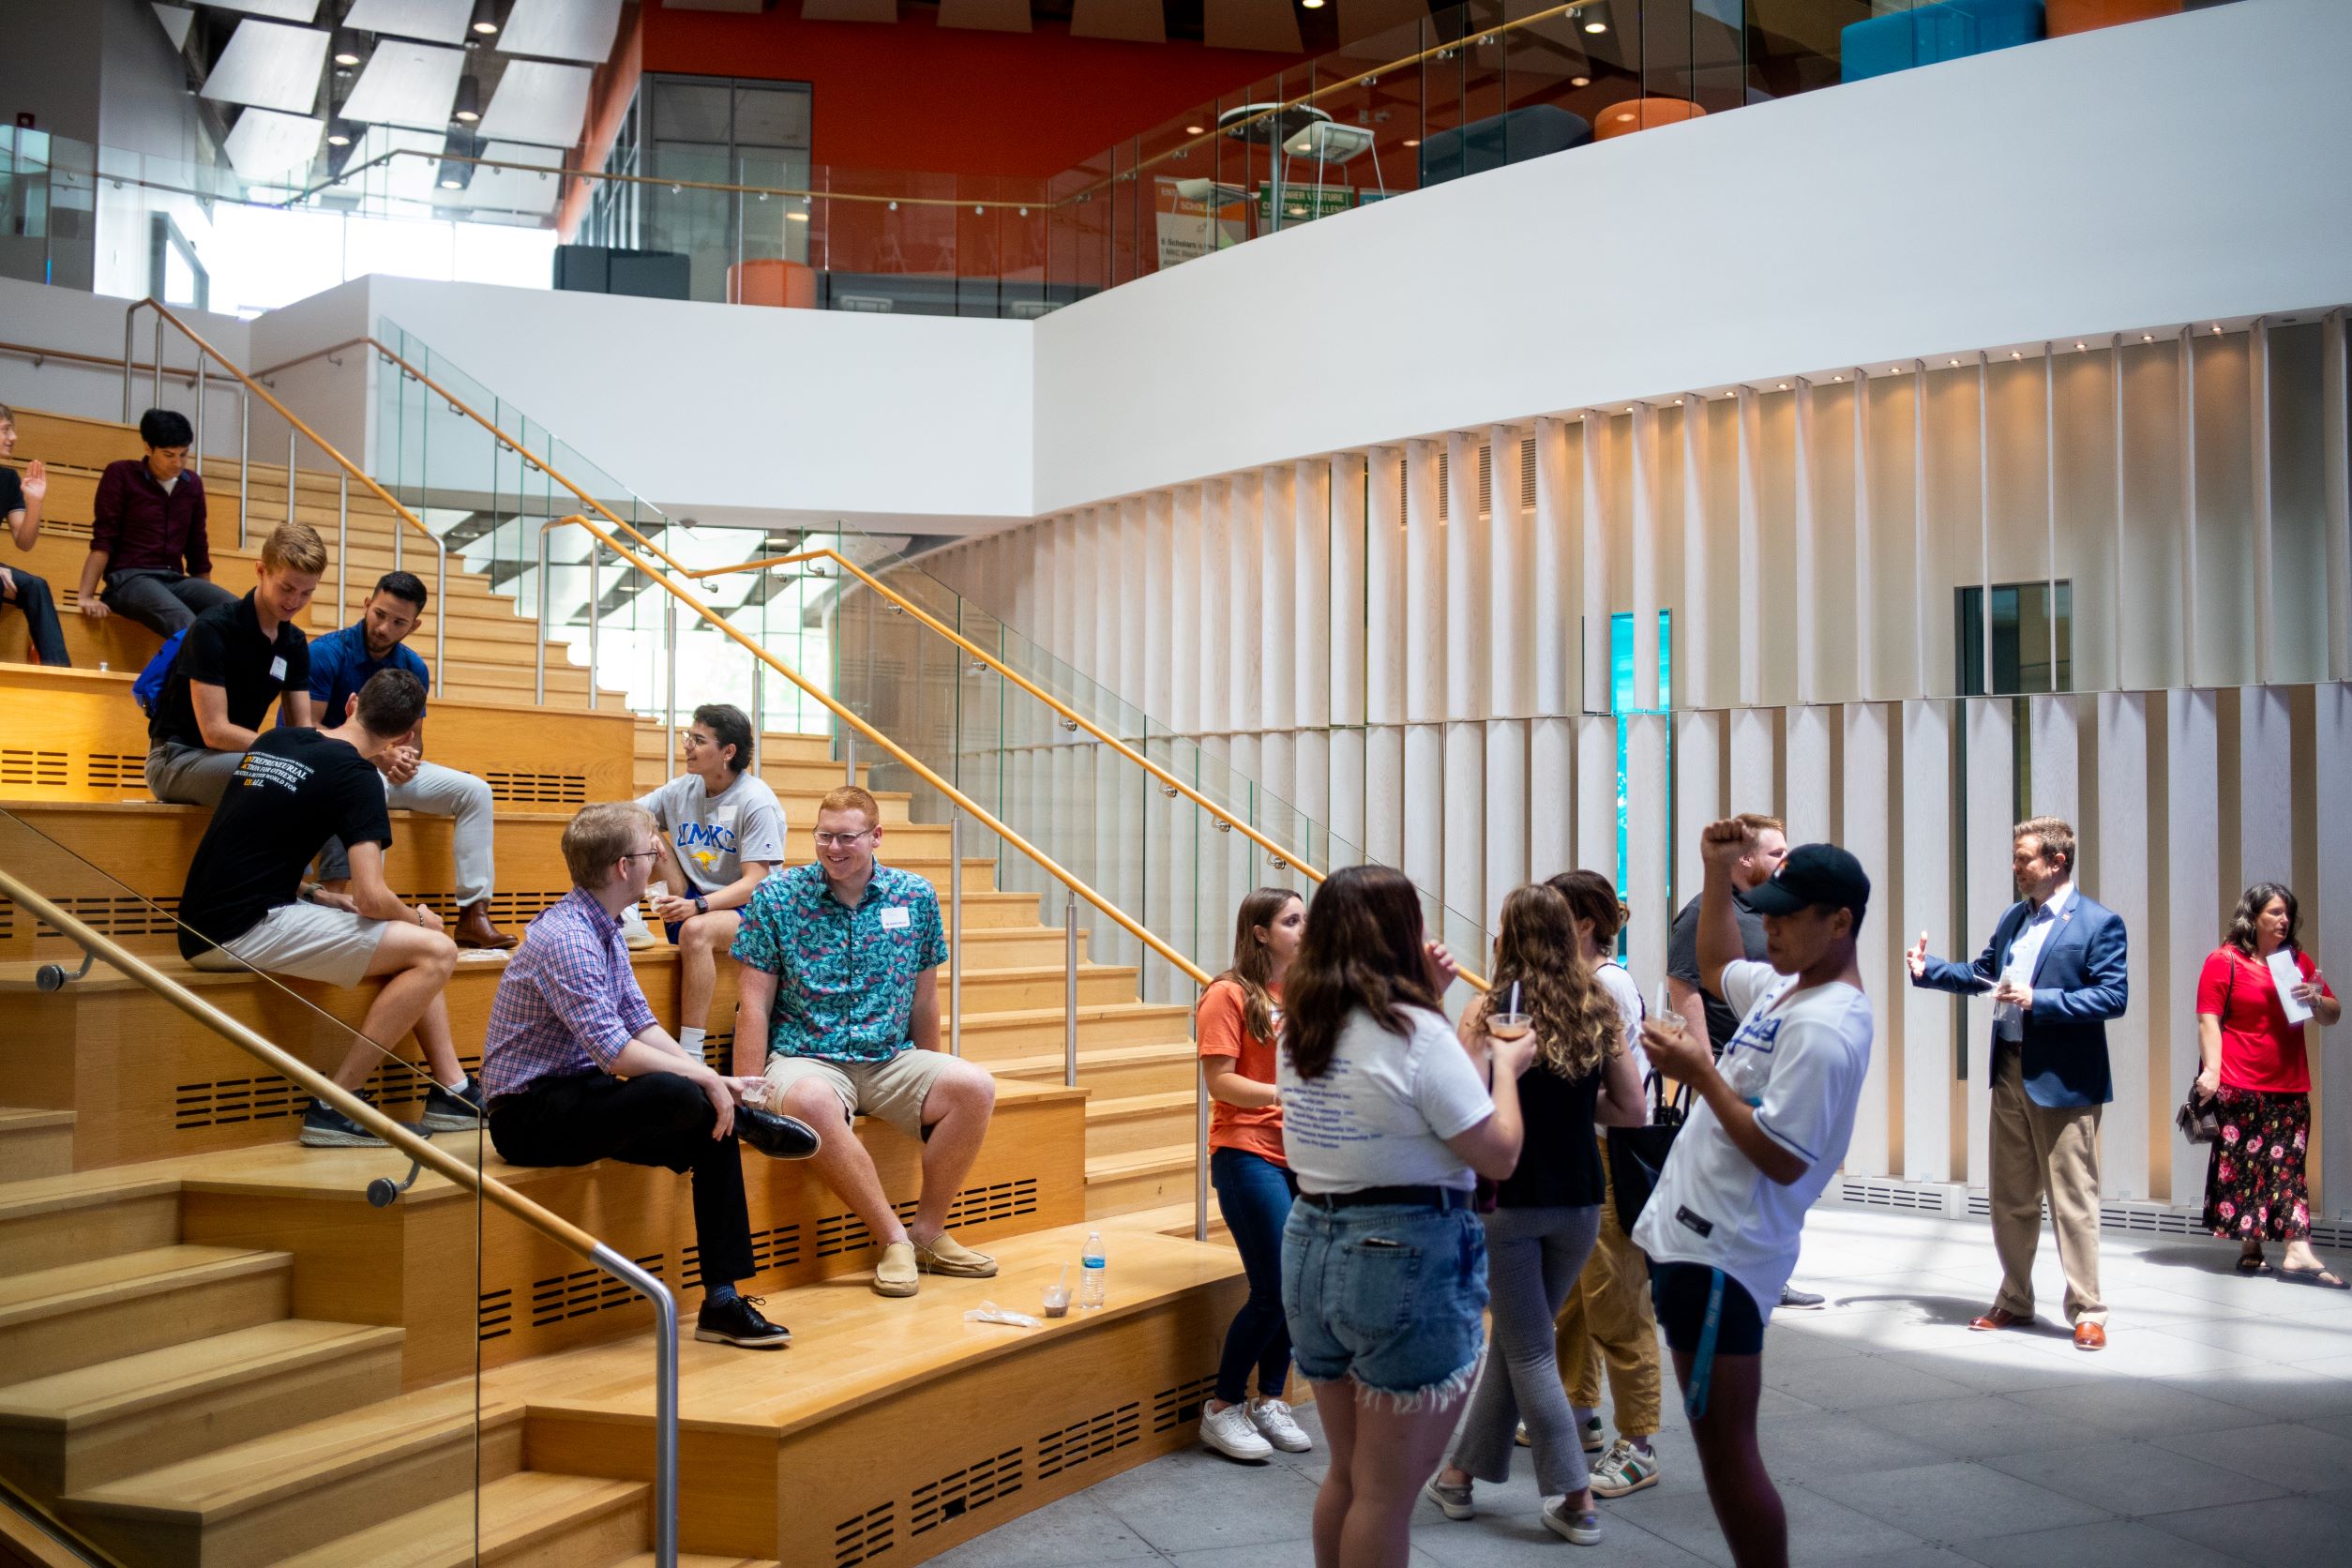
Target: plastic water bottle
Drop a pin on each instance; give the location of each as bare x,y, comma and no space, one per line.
1091,1276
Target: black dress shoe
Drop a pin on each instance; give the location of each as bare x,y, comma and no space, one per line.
738,1323
780,1138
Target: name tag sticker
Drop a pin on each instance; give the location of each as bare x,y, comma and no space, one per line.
897,919
277,668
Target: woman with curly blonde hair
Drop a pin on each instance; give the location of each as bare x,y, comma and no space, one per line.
1546,1211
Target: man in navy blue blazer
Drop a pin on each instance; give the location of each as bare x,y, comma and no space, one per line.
2055,969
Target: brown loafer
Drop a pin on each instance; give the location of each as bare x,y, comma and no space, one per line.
1999,1317
475,930
2089,1337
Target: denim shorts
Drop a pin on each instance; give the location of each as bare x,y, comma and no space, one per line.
1392,1296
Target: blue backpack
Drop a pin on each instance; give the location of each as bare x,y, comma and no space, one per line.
148,687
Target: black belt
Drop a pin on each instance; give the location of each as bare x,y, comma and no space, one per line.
1424,1198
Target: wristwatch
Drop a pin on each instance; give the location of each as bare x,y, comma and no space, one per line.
702,905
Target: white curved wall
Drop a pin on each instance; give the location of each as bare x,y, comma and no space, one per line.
2142,175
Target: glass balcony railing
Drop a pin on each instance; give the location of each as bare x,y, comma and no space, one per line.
1472,87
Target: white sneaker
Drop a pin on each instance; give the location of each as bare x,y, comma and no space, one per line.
1275,1422
634,931
1230,1432
1582,1529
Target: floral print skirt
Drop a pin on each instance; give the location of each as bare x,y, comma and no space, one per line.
2254,1189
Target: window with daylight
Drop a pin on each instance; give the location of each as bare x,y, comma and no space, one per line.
1622,703
2032,645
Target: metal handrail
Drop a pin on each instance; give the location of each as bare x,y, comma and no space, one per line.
1169,783
1045,862
431,1155
295,430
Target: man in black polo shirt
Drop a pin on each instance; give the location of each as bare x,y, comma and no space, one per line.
235,661
245,906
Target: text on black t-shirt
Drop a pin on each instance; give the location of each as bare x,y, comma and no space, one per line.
293,792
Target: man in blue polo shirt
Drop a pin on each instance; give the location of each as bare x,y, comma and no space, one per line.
843,955
342,663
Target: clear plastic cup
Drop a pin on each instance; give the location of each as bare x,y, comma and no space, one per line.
1508,1026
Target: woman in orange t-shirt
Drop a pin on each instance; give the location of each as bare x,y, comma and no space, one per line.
1240,1016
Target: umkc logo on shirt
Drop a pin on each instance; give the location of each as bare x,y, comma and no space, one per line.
706,841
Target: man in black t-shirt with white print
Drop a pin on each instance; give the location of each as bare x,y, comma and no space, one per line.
236,659
245,905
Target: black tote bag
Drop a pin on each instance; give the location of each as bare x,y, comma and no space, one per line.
1638,1155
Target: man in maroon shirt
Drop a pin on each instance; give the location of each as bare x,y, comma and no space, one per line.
147,535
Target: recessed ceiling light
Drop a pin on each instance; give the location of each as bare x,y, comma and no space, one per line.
451,182
1580,82
2148,336
1837,378
1783,386
1412,141
1955,364
1627,116
2217,326
346,47
469,105
1192,130
2014,354
485,16
1596,26
2082,345
1312,5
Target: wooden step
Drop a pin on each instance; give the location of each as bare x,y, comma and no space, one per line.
1148,1179
73,1430
1136,1122
1109,1071
38,1142
1005,1033
699,1560
525,1517
1175,1219
54,1225
80,1314
1016,947
1042,986
270,1497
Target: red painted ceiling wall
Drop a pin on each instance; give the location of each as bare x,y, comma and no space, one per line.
914,95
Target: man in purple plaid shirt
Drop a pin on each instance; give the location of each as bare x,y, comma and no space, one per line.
576,1069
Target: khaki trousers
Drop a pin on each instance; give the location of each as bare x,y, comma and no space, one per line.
2039,1152
1608,1317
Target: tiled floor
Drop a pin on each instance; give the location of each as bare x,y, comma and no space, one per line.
2217,1428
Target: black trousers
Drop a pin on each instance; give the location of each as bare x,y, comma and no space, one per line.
162,602
31,594
659,1119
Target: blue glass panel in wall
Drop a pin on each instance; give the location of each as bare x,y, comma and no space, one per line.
1622,701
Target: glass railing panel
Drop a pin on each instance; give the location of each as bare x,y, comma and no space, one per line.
298,1265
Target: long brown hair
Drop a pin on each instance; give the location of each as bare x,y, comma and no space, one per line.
2241,934
1363,948
1252,967
1537,950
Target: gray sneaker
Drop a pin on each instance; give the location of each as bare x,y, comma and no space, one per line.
1581,1529
1453,1502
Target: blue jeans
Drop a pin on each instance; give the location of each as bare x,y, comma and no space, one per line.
1254,1195
1391,1295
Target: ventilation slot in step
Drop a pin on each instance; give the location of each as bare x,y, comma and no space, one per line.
117,769
863,1537
495,1314
1091,1439
125,916
583,1292
1180,1405
778,1248
954,1494
23,769
538,789
232,1102
840,1233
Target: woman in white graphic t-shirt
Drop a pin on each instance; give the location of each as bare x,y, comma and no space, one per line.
1772,1121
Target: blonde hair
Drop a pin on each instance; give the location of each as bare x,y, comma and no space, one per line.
2054,835
848,797
600,835
294,547
1576,1021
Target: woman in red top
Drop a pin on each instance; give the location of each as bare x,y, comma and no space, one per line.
2254,1069
1239,1019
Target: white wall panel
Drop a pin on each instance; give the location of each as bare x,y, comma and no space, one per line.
1755,761
1810,774
1464,821
1506,846
1990,888
1424,807
1928,1089
1511,626
1552,797
1862,829
1384,657
1696,680
1642,450
1244,587
2192,873
2265,791
1593,559
1646,827
1187,624
1595,848
1555,548
1698,759
2327,915
2056,787
2123,842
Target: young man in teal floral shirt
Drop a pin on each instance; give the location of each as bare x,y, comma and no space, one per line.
840,1008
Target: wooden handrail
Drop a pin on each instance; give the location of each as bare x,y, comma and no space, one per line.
110,361
288,415
905,758
1283,857
423,1152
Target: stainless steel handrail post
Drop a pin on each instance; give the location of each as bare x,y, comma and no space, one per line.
849,755
441,615
670,662
596,597
130,325
1069,984
956,934
245,462
157,401
665,1398
1200,1154
294,436
198,456
538,674
342,551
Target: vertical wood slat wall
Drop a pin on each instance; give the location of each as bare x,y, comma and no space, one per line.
1423,658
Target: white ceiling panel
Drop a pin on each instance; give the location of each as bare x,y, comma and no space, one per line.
284,11
515,189
537,101
406,84
176,21
270,66
562,29
264,145
433,21
408,179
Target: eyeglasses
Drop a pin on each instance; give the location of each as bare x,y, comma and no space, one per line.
643,854
828,841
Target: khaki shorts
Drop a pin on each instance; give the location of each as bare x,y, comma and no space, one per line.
309,942
892,1091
